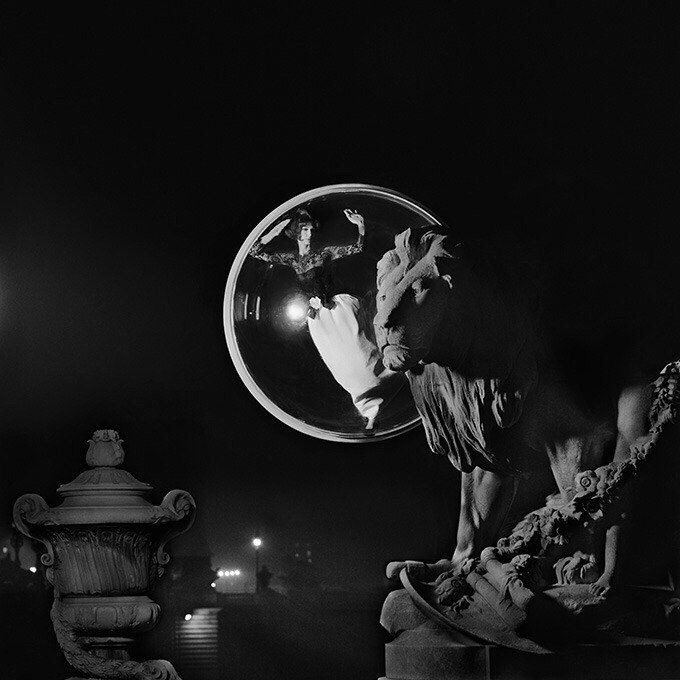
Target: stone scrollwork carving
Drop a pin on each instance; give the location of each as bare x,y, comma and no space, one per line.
31,511
175,515
106,546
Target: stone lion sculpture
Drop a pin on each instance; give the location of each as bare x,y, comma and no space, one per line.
490,395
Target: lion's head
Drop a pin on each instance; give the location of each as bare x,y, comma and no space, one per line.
450,318
415,284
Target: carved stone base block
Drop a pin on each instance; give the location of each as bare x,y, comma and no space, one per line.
423,650
430,653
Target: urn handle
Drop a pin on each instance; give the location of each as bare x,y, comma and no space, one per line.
176,512
30,513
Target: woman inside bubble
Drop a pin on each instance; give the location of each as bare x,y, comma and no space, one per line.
342,331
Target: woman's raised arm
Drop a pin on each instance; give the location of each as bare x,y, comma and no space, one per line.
337,252
277,258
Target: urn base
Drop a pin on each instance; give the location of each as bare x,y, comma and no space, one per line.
121,615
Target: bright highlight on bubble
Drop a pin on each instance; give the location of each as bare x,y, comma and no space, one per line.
295,311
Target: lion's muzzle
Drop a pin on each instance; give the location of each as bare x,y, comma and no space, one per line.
399,358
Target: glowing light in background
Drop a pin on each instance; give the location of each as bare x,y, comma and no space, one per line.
187,617
257,542
213,584
33,570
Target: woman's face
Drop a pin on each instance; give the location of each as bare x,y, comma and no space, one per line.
305,233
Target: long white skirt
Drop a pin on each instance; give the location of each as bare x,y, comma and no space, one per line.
344,338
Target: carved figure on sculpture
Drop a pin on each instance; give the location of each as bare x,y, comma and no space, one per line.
492,398
547,547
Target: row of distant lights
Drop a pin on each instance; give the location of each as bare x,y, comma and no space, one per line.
225,572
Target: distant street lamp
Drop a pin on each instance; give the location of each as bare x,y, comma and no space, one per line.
257,542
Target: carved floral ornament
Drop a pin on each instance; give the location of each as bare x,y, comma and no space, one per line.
105,548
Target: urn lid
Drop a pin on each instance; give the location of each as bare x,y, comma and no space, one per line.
104,479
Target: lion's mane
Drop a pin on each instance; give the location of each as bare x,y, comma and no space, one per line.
466,392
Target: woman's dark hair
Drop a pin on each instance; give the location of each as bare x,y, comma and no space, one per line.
299,217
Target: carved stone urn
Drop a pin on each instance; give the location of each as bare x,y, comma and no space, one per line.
105,548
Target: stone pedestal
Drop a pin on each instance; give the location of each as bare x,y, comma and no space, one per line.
424,651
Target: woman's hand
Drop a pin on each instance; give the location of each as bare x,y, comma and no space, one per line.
276,230
355,218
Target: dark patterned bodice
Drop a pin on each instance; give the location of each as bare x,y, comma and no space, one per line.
316,272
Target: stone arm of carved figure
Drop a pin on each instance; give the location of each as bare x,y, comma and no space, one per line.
633,407
611,550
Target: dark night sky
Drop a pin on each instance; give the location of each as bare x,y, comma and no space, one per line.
141,144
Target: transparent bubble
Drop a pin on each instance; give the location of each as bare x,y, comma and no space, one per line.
298,313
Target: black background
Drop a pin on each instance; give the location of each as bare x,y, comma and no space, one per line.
140,145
